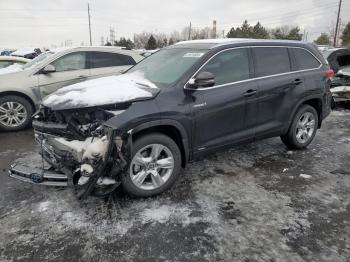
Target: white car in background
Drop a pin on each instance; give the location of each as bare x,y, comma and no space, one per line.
6,61
22,91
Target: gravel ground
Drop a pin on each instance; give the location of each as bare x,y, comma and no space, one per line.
257,202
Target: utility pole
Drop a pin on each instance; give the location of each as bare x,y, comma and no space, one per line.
339,31
189,31
89,24
337,25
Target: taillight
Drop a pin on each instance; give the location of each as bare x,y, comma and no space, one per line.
329,73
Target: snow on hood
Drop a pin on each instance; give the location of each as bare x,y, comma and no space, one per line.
102,91
11,69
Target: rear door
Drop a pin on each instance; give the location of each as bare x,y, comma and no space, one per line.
277,88
107,63
221,112
70,69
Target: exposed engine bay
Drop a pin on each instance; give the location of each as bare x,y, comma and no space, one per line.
340,87
339,62
80,150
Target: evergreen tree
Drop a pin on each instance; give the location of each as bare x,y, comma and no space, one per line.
248,31
346,35
287,33
152,43
127,43
260,32
171,41
323,39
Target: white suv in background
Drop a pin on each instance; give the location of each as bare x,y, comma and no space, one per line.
22,91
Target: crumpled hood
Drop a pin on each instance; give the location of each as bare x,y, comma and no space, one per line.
102,91
344,71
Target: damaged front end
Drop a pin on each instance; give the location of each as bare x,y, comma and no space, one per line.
80,149
341,86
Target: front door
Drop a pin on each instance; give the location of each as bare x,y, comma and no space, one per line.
221,112
70,69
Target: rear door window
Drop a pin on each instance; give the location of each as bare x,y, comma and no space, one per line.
229,66
271,61
69,62
105,59
304,59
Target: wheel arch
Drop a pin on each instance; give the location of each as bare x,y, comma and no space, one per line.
171,128
315,102
20,94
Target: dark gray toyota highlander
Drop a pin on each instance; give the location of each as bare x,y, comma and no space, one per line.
187,100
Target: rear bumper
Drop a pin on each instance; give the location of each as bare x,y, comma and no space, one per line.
38,176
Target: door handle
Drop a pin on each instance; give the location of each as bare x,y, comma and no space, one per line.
82,76
297,82
250,92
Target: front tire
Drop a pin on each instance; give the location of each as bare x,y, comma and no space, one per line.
15,113
154,166
303,128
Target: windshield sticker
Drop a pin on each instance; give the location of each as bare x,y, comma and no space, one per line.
196,55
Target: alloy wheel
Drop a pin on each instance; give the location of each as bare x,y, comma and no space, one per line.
151,167
305,127
12,114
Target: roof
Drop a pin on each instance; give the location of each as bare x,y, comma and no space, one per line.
212,43
113,49
14,58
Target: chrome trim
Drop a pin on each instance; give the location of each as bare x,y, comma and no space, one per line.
250,79
48,178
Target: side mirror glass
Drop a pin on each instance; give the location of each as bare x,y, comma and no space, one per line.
203,79
48,69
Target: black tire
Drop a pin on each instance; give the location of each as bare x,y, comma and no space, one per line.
290,139
27,107
144,141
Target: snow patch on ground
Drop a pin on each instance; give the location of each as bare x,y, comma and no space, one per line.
166,213
236,207
305,176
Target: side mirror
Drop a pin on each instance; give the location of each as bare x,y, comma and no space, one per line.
203,79
48,69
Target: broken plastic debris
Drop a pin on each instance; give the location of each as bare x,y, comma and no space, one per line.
83,180
105,181
86,168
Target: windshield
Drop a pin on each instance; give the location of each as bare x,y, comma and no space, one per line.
168,65
37,60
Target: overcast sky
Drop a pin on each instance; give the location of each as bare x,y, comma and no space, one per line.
48,22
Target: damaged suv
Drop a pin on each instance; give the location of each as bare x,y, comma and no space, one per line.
187,100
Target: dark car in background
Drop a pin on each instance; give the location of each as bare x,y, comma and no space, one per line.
339,61
181,103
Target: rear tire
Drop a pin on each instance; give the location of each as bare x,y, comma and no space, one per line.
15,113
155,164
303,128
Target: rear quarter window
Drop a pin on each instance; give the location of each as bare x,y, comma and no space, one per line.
304,59
105,59
271,61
